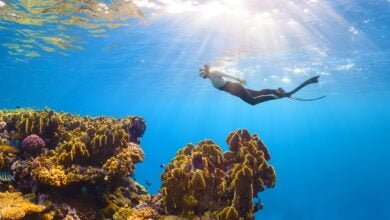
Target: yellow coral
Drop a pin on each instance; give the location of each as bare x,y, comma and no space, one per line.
73,150
121,202
14,206
143,213
48,216
2,160
198,181
202,178
54,176
42,123
8,149
228,213
188,181
122,164
80,152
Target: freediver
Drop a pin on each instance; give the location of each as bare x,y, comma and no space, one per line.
253,97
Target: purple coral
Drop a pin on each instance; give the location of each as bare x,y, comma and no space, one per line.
33,144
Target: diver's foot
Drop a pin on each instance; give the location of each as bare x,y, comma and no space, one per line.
281,93
313,79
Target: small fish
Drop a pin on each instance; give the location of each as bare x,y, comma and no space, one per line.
15,143
148,183
258,205
162,165
6,177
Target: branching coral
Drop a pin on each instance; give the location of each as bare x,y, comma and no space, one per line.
121,201
63,155
200,178
72,154
74,150
193,179
14,206
122,164
42,123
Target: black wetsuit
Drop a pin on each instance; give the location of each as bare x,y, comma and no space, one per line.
252,97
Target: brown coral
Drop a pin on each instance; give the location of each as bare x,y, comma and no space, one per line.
122,200
122,164
202,178
53,176
96,157
5,148
14,206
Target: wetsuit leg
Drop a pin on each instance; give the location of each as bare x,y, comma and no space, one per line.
264,98
238,90
255,93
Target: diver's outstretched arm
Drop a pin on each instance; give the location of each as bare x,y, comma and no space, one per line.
307,82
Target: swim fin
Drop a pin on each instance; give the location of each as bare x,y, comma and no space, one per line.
302,99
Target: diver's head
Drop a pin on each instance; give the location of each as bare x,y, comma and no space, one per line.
205,71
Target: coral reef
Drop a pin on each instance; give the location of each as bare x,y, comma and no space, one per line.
202,180
62,154
14,206
63,166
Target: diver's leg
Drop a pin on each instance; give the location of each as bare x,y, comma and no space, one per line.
265,98
238,90
307,82
255,93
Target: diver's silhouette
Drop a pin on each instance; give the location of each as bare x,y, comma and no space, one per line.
252,97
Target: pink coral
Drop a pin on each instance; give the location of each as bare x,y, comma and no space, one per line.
33,143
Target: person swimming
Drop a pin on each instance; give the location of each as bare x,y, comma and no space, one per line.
253,97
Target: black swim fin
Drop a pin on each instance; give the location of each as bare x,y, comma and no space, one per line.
301,99
307,82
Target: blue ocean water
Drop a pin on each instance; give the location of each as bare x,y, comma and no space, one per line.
331,155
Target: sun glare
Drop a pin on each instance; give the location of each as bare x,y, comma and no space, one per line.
253,28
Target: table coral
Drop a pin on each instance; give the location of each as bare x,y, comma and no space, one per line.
202,178
14,206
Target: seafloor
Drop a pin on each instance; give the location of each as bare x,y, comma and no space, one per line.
56,165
